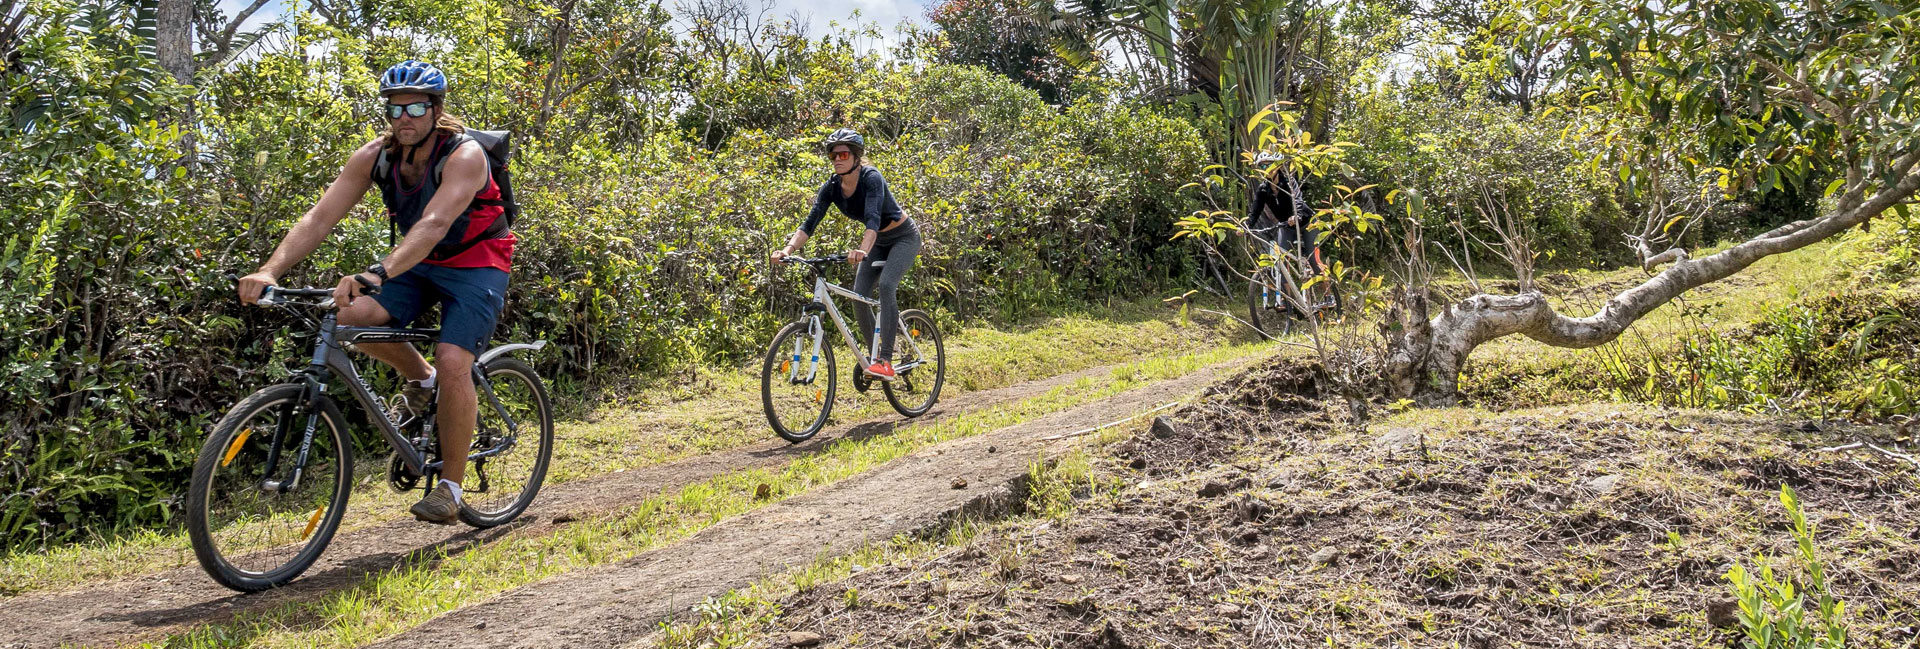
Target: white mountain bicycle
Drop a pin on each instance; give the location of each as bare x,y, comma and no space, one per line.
797,378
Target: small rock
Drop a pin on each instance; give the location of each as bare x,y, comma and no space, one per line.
1162,427
1227,610
857,569
1253,510
1325,555
763,491
480,626
1070,579
959,483
1137,464
991,448
564,518
1605,483
803,639
1723,614
1213,489
1398,439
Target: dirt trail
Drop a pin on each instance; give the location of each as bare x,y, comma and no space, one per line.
612,605
141,608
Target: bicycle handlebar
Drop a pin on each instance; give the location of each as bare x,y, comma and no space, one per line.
278,295
829,259
816,261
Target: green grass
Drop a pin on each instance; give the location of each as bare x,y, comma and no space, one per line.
683,414
388,603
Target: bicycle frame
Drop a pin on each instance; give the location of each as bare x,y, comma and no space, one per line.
823,293
330,358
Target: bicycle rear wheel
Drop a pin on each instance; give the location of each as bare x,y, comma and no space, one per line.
796,385
251,529
919,349
498,488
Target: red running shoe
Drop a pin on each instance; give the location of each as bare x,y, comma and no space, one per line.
881,370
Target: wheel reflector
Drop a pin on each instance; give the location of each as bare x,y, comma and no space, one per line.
915,332
234,448
785,366
819,396
312,522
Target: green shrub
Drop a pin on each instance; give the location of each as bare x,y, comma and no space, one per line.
1774,612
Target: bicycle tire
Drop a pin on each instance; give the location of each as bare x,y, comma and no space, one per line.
543,452
917,320
220,449
770,367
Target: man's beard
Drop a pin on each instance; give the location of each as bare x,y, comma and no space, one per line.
418,136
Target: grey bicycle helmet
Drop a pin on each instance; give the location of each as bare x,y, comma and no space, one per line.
1267,157
413,76
848,137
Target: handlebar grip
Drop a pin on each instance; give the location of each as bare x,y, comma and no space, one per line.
366,287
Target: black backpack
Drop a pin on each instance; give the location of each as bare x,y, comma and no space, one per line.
498,146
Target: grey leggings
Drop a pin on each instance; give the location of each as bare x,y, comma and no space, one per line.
898,247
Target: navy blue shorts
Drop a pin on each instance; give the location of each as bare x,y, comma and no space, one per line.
472,298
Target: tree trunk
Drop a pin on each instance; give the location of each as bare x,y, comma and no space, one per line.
1425,356
173,38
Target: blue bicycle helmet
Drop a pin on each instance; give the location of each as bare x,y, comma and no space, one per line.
413,76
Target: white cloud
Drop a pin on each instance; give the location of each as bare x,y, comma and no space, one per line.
886,13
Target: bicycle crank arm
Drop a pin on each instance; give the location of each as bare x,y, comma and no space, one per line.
502,447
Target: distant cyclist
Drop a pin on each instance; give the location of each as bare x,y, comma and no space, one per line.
861,194
439,192
1278,213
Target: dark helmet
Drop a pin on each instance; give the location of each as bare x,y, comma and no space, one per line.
848,137
413,76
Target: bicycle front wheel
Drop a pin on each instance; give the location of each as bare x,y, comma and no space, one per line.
501,483
923,356
255,523
796,383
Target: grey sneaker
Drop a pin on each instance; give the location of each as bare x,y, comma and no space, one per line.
412,401
440,506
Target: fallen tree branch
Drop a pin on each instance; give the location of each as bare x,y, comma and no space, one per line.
1872,447
1111,424
1257,330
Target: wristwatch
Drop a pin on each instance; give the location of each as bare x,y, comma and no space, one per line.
380,271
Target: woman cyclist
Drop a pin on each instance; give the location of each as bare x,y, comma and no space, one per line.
861,194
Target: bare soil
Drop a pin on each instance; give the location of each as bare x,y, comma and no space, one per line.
1257,518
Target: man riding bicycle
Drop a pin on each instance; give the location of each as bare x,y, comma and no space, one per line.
455,250
861,194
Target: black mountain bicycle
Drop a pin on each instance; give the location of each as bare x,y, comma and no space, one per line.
271,483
